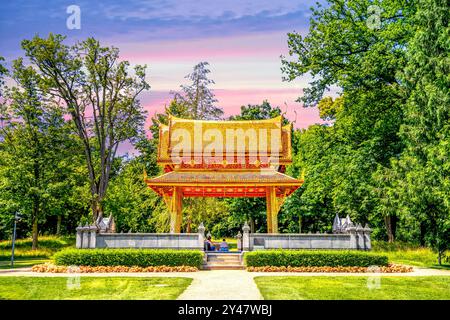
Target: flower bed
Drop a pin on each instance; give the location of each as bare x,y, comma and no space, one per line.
51,268
383,269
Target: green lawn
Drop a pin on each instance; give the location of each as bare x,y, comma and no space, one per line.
404,253
25,257
102,288
422,257
22,262
354,288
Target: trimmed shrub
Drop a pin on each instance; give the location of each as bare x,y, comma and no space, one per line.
313,258
128,257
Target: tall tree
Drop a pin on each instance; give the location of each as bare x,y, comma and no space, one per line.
97,90
424,169
343,49
34,142
197,97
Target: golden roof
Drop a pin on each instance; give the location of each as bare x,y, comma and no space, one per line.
259,142
225,183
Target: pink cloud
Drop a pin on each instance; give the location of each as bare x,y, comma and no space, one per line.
231,101
256,45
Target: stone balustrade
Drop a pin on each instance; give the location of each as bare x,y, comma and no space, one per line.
89,237
357,238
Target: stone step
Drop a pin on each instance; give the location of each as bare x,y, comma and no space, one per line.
224,262
223,267
218,255
224,258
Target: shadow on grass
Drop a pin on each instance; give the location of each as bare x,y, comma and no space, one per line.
25,262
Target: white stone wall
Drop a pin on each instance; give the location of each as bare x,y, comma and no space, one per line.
88,237
149,240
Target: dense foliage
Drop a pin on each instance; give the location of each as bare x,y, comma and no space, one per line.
384,157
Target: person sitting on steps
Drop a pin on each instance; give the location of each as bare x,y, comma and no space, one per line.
209,244
224,246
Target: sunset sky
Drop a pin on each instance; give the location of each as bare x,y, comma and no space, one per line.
242,40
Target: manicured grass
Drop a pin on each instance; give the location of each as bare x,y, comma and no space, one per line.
403,253
44,242
22,262
47,246
102,288
354,288
422,257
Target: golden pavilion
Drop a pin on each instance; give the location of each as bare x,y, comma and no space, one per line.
205,158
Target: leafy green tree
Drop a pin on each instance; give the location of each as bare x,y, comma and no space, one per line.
342,49
133,205
258,112
311,207
424,170
34,146
329,108
175,108
97,90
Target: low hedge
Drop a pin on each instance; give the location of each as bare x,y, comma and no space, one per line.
128,257
313,258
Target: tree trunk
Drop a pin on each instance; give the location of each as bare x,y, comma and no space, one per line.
188,224
34,221
299,224
35,227
391,226
97,210
422,234
58,225
252,225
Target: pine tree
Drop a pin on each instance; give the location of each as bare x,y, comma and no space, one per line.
197,97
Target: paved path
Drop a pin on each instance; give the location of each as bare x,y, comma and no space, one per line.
222,285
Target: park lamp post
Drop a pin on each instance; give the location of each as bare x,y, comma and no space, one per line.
17,217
